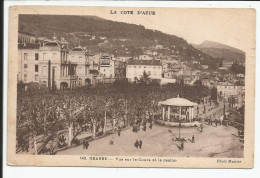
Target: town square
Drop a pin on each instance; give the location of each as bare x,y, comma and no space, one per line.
91,91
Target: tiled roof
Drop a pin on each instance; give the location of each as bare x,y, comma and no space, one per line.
28,46
26,33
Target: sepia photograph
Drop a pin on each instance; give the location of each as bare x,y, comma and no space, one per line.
131,87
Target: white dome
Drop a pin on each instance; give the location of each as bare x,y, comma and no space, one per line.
51,44
177,102
78,49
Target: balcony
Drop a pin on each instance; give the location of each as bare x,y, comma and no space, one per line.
69,77
68,62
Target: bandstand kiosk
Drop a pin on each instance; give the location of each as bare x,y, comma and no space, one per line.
177,109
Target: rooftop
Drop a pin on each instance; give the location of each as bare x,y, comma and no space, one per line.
78,50
177,102
28,46
144,62
51,44
26,33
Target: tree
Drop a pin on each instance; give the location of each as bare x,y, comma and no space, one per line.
145,78
198,83
214,93
221,62
20,86
237,68
241,111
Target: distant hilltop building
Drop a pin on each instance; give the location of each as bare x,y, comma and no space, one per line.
204,67
123,58
158,46
136,68
143,57
226,64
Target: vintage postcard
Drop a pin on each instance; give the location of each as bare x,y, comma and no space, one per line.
131,87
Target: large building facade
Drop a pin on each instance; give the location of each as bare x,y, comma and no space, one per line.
46,65
135,69
107,66
57,67
233,94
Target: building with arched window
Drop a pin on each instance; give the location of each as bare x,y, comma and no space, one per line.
52,64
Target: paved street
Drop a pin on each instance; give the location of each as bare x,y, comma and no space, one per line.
212,142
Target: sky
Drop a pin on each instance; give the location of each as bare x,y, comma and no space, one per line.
233,27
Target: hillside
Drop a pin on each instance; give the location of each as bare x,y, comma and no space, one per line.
218,50
101,35
46,25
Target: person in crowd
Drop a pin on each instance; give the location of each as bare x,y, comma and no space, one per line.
119,131
61,142
140,144
182,146
85,144
48,112
216,122
144,128
112,141
151,125
75,141
201,127
193,139
136,144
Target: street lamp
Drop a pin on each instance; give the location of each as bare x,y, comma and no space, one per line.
179,129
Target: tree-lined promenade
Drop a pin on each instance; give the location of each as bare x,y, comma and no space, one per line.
43,115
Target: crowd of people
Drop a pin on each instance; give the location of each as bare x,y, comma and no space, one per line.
129,104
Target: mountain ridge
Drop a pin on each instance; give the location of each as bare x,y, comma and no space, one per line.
213,44
219,50
120,37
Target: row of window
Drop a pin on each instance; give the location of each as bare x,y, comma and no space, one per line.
36,77
228,87
36,67
25,39
80,57
37,56
148,73
227,93
155,67
26,56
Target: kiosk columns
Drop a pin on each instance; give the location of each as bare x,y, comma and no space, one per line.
177,106
169,113
163,113
180,113
192,110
